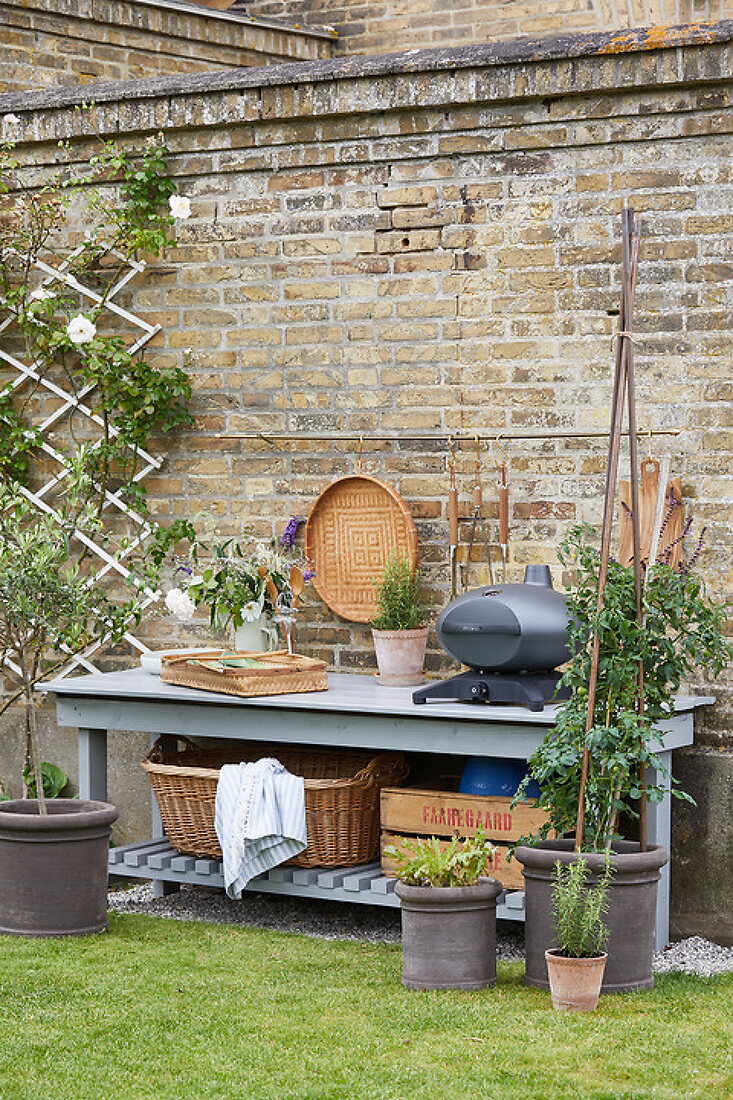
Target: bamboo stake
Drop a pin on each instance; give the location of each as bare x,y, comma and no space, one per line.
636,537
614,447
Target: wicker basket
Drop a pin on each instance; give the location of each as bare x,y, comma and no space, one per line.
353,528
341,797
280,673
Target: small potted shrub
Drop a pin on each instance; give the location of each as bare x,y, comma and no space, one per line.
575,967
399,628
448,912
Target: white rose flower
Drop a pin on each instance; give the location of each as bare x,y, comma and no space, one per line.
180,206
11,120
80,330
180,604
251,611
42,294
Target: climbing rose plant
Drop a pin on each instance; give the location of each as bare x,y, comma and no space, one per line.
90,224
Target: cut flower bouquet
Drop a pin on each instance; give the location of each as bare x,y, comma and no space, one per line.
238,580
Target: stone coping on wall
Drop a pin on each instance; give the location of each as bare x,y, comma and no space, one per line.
524,68
174,19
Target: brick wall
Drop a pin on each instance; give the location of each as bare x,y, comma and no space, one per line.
381,26
431,243
356,263
52,42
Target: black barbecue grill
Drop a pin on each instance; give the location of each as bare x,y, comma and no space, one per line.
512,637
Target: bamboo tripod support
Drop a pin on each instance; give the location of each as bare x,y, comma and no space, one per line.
623,390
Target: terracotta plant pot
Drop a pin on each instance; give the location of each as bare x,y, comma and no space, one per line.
449,935
631,916
400,656
53,867
575,984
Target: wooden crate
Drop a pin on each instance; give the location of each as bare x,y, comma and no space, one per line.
413,812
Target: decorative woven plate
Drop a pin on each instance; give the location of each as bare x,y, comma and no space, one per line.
353,528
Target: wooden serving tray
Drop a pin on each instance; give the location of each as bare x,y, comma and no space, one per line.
276,673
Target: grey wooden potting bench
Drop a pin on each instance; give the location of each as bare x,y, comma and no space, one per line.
354,713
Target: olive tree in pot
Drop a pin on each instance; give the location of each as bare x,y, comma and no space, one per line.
681,629
448,912
53,852
96,219
575,966
399,628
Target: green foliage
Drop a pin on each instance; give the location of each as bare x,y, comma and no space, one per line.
682,631
121,202
90,223
578,908
54,780
46,600
17,440
424,862
399,604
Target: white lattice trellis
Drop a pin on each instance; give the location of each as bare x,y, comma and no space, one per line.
71,403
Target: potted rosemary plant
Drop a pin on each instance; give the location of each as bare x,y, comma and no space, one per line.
448,912
575,967
399,628
681,630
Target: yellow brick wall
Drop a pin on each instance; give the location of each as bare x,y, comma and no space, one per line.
356,263
384,26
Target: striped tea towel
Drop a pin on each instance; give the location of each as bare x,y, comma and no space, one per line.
259,819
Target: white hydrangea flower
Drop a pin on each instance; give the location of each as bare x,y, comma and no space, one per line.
180,206
80,330
180,604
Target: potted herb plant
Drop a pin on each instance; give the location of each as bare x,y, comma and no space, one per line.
681,630
575,966
399,628
448,912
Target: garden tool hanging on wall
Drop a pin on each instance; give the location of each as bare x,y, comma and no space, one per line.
503,511
452,520
477,522
661,515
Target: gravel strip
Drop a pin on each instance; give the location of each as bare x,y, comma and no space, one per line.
334,920
329,920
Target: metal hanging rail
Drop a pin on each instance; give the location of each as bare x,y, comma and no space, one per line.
458,437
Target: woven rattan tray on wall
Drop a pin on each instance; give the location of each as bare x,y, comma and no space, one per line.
353,528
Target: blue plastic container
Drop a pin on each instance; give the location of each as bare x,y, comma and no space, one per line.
495,777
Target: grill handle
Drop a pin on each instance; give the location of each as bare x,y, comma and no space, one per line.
481,628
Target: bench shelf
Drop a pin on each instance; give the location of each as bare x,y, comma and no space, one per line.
354,713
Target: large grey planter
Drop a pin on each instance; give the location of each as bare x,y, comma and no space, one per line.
631,917
449,935
53,868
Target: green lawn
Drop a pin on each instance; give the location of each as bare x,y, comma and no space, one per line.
171,1010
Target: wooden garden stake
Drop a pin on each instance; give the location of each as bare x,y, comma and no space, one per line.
630,258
